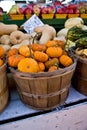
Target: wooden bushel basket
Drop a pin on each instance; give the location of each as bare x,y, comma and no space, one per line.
4,93
80,76
44,91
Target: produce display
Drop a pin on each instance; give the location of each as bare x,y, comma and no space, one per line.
43,47
44,41
43,51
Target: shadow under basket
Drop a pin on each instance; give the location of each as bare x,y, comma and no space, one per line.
79,79
4,92
44,91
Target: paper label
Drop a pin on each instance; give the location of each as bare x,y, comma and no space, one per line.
33,22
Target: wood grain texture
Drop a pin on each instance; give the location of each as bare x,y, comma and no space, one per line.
4,92
44,91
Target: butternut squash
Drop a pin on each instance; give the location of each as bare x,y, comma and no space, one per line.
24,42
5,39
71,22
7,28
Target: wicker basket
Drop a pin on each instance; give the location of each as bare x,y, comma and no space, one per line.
4,93
44,91
80,76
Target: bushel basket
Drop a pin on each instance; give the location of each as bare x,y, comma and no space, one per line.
44,91
4,92
79,79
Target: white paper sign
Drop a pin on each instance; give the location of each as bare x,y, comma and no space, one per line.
30,24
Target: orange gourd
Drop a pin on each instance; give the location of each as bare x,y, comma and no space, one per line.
38,47
14,60
54,51
51,43
41,66
40,56
13,51
52,68
60,43
65,60
1,62
2,52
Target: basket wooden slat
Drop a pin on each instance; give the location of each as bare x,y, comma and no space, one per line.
4,93
45,92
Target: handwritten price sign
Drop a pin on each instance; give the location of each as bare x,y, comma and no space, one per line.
30,24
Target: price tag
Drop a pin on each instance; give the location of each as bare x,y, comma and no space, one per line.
30,24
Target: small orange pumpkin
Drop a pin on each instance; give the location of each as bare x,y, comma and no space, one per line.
60,43
2,52
24,50
51,43
41,66
1,62
65,60
54,51
12,51
14,60
52,68
28,65
38,47
40,56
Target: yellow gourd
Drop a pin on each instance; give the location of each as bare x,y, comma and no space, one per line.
28,65
24,50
